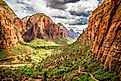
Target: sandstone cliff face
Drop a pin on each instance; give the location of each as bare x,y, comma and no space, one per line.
20,25
104,29
9,34
41,26
63,31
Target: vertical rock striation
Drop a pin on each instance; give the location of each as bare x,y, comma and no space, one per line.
41,26
9,33
104,29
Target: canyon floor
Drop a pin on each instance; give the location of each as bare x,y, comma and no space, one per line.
50,61
30,52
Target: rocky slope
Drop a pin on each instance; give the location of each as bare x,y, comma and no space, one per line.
104,30
41,26
9,33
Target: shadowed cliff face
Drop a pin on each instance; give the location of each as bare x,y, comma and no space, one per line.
41,26
63,30
9,33
104,29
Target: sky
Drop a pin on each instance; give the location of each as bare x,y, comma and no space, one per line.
73,14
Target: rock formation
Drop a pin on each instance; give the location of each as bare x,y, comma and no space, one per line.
104,30
41,26
63,31
9,33
13,29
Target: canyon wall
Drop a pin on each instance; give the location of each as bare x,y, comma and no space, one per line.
104,30
9,33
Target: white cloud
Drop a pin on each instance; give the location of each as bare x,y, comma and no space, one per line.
82,6
29,7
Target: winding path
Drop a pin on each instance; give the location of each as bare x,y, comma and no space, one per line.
15,65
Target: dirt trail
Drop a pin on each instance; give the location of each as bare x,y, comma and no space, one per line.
15,65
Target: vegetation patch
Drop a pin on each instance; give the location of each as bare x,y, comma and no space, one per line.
73,62
27,52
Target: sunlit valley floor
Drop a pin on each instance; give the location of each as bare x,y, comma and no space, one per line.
31,52
50,61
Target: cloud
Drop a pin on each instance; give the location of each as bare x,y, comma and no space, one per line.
101,1
71,13
59,4
21,8
56,4
83,7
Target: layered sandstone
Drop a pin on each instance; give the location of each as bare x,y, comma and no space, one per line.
9,33
104,30
41,26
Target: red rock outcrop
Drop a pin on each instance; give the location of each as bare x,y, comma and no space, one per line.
63,31
9,33
104,30
41,26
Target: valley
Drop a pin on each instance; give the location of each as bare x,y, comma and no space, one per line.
35,48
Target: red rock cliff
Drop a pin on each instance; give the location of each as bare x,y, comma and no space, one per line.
9,33
41,26
104,29
63,31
